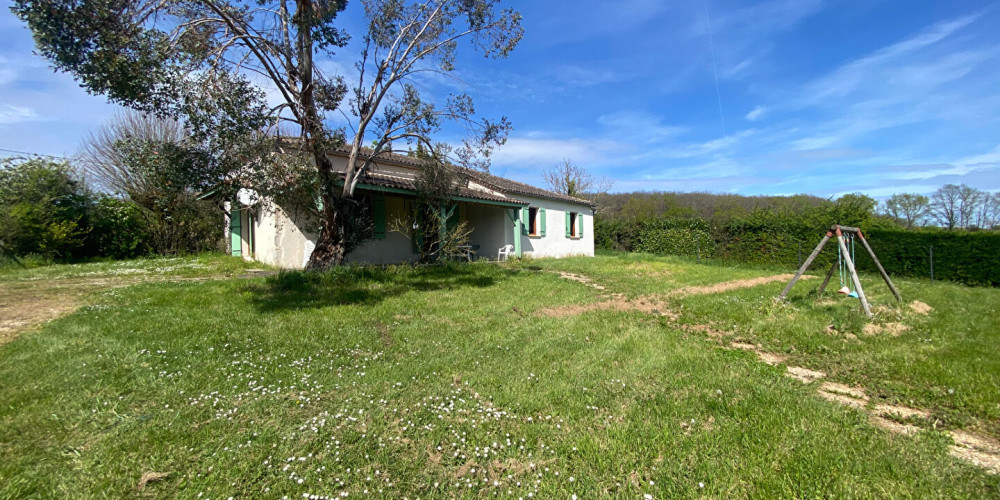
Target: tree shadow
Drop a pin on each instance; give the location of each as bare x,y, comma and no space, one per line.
366,286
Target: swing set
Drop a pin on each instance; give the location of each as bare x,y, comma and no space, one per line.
845,263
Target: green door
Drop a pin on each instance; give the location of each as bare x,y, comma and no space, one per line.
235,235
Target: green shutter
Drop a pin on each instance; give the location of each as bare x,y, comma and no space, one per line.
568,226
235,236
579,226
378,213
541,216
525,225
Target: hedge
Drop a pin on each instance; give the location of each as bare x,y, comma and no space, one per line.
967,257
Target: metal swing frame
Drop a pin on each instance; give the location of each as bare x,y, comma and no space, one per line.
839,231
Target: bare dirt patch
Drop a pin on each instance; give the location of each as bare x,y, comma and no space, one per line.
900,412
731,285
615,303
981,451
804,375
842,399
894,329
580,279
920,308
838,388
893,426
987,461
767,357
148,477
970,440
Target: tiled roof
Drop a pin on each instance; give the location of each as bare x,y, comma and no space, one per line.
490,181
510,186
408,183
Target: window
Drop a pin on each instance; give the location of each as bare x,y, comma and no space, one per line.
574,225
533,221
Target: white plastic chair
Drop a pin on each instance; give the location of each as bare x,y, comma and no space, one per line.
505,252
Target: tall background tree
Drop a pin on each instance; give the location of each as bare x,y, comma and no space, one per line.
153,163
573,180
211,61
909,209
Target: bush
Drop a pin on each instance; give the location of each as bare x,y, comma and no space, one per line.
119,230
43,209
676,237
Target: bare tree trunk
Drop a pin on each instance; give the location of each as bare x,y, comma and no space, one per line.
331,245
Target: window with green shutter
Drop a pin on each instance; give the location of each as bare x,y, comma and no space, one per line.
574,225
525,229
541,221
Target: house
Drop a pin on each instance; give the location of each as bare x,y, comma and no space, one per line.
500,212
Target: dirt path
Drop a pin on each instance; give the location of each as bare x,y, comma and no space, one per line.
981,451
978,450
655,304
729,286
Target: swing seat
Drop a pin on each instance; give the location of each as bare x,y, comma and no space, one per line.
844,291
853,294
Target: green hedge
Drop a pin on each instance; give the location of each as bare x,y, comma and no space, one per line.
767,238
966,257
676,237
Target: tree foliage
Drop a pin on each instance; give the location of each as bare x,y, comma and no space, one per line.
212,62
908,209
573,180
43,208
962,206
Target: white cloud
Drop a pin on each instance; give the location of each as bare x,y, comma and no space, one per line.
852,76
542,152
17,114
756,113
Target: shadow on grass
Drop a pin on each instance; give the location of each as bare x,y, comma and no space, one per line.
365,285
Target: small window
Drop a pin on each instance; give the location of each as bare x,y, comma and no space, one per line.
574,225
533,221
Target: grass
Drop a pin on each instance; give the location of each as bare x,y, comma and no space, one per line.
444,382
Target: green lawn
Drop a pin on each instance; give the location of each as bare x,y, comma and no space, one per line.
447,382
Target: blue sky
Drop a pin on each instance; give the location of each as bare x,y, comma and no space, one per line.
817,96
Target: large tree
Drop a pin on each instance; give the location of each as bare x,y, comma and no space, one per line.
909,209
573,180
214,62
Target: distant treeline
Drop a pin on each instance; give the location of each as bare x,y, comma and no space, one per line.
951,206
783,230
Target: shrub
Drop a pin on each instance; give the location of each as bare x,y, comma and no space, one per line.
119,229
676,237
43,208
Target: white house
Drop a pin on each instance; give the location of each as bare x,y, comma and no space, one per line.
500,211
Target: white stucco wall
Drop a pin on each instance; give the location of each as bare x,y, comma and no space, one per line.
286,239
283,240
491,228
555,243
